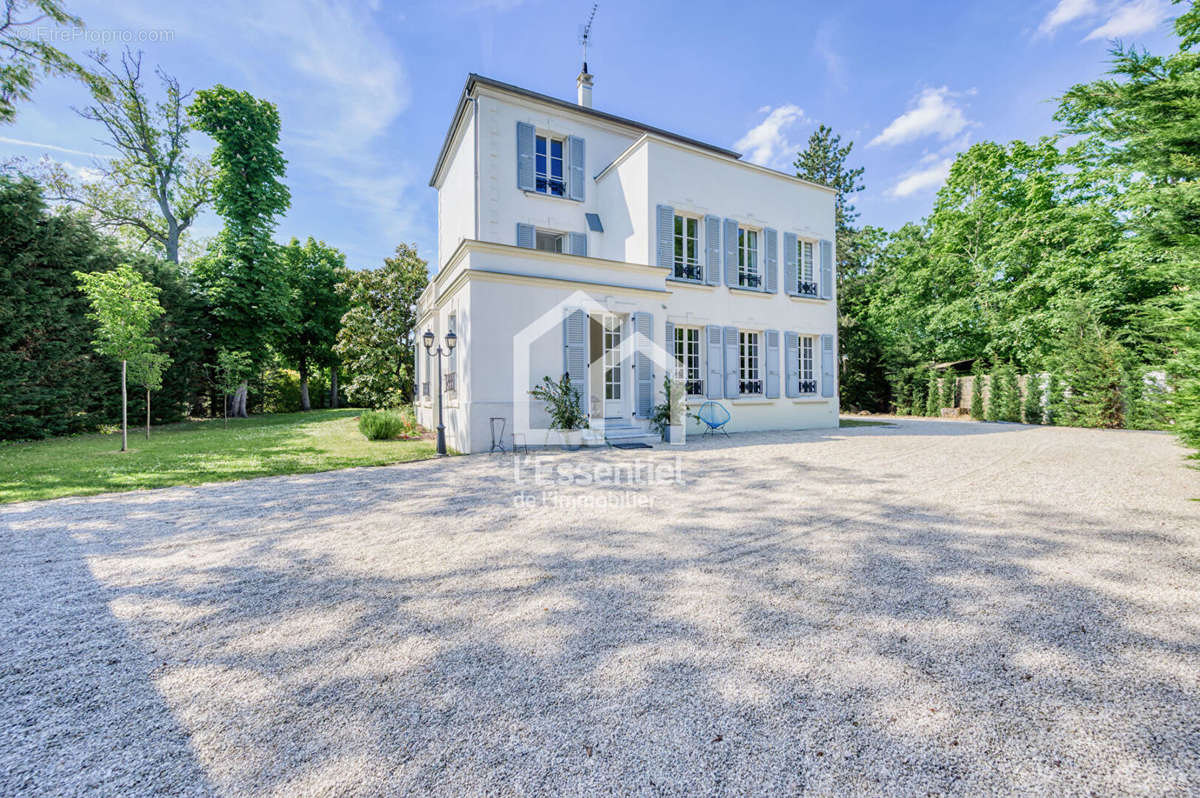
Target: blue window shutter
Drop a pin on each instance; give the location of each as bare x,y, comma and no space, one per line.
575,350
715,357
828,366
525,235
525,175
826,269
577,242
791,363
731,252
416,369
791,266
643,365
669,342
772,352
731,363
772,282
575,179
712,250
665,247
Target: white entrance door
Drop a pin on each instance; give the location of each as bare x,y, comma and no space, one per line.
613,387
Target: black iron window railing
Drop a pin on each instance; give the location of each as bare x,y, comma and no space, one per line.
450,381
808,386
551,185
749,280
425,389
750,386
807,289
694,387
688,270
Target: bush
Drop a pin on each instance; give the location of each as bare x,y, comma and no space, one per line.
977,411
562,403
1032,405
1010,409
932,407
388,425
995,398
949,390
1054,399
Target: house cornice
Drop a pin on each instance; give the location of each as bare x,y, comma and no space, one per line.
646,138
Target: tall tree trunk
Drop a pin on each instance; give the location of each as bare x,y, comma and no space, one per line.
305,404
333,386
124,409
239,401
147,414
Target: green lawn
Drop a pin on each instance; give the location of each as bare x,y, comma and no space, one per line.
858,422
195,452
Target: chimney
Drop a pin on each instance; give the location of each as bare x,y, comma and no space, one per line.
584,83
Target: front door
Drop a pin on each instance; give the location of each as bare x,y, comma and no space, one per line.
613,387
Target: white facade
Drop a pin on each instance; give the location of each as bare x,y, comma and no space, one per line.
766,352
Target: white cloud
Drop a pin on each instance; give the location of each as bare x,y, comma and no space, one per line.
922,179
934,113
767,143
1138,16
823,47
1065,12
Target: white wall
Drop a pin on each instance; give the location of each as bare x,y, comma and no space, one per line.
456,196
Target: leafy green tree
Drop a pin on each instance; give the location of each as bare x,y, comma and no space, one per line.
152,191
51,382
949,388
1010,410
1141,123
242,272
375,342
995,397
233,368
977,409
918,397
124,306
313,271
147,370
23,57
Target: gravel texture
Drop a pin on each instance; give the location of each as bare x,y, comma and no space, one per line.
934,607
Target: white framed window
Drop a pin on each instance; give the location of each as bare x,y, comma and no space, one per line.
549,241
806,274
749,363
687,248
687,355
748,276
804,366
549,165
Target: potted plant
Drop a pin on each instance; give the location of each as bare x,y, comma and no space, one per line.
669,417
563,405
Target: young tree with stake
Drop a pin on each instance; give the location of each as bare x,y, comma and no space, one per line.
123,307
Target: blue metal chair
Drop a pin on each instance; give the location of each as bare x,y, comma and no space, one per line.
714,416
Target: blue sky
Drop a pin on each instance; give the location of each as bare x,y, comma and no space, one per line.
366,90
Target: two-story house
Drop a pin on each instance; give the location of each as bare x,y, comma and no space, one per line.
565,233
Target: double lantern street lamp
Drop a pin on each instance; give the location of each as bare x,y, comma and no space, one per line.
451,340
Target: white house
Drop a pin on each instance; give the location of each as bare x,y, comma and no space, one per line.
564,232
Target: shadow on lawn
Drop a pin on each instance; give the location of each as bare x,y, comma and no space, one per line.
384,630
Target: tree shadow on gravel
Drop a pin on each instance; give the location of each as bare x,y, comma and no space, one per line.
409,629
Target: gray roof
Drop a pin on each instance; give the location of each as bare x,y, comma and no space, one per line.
473,80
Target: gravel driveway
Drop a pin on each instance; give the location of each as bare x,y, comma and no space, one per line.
931,607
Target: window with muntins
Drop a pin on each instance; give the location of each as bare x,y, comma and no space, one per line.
749,375
806,275
748,276
687,355
804,368
687,248
548,166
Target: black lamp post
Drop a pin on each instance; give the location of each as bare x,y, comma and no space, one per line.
451,340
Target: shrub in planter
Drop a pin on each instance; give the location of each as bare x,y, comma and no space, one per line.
563,405
670,413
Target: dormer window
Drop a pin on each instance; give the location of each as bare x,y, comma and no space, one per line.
548,165
748,276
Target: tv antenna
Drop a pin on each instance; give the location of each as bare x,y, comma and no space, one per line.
585,34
